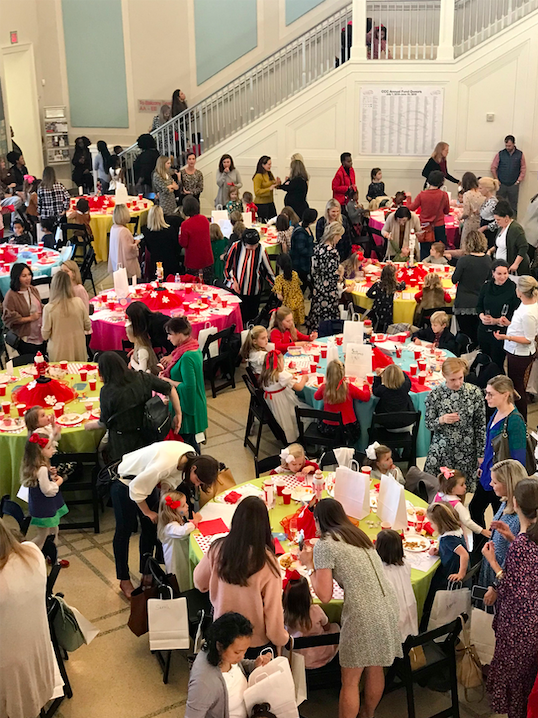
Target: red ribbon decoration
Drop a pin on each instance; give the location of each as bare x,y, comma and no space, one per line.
290,576
41,440
342,380
271,360
173,504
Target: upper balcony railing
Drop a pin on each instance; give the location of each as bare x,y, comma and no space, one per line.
478,20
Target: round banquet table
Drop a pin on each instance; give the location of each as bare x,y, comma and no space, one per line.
73,438
404,302
452,226
365,410
101,209
371,525
40,267
108,319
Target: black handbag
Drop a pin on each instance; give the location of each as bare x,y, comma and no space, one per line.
105,477
501,448
157,417
13,339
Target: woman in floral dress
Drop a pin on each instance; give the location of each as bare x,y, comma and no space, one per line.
472,202
456,416
515,662
325,263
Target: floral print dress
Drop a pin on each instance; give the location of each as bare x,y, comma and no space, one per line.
458,445
325,296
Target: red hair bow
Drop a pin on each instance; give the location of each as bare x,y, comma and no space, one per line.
290,576
342,380
173,504
447,473
271,360
41,440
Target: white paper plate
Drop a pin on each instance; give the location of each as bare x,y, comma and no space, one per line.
416,544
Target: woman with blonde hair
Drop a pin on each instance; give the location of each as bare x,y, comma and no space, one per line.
123,250
437,162
71,268
325,264
487,186
473,200
164,185
26,656
456,416
161,235
501,396
520,339
333,213
65,322
472,270
296,187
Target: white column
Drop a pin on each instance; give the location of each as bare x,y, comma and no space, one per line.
358,47
447,13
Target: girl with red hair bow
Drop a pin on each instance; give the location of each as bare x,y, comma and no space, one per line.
45,502
173,529
279,391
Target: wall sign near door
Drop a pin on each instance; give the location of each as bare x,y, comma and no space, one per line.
14,37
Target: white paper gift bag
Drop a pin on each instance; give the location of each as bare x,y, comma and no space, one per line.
482,635
273,684
448,605
226,227
352,490
353,333
168,623
121,283
206,332
218,214
391,506
247,219
358,359
332,352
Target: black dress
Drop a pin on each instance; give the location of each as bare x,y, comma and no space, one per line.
296,191
144,165
82,168
383,304
163,246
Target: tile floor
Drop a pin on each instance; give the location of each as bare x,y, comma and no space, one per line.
116,675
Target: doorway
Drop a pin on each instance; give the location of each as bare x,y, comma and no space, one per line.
22,103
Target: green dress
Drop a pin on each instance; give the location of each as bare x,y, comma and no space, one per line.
219,247
188,371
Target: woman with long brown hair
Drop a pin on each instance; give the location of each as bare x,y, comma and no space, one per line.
370,637
296,187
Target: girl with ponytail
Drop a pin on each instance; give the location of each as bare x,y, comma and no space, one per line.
513,669
279,387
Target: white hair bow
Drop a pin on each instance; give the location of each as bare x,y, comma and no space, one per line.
370,451
286,456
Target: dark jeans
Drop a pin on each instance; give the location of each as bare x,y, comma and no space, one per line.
250,306
517,367
468,324
305,280
510,192
126,513
491,346
191,440
479,503
27,348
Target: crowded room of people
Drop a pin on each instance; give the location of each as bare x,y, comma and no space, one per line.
268,341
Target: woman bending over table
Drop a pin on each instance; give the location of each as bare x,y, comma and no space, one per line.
397,230
153,324
169,464
456,416
370,636
65,322
241,573
22,311
185,372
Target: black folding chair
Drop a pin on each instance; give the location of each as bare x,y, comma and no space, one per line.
406,441
77,235
43,287
11,508
310,435
259,410
328,676
262,466
84,478
223,362
426,315
86,267
23,359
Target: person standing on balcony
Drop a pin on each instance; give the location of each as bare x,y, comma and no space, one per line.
437,163
264,183
509,167
179,102
344,179
227,177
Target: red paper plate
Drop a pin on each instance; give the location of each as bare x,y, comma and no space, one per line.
45,394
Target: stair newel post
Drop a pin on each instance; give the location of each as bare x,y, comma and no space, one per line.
447,13
358,42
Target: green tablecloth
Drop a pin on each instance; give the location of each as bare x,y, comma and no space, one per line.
74,439
419,579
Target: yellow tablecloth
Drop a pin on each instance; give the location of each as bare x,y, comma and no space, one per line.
101,224
419,579
73,439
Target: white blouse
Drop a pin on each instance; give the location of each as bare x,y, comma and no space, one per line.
524,324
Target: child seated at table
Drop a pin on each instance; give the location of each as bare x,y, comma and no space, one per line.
389,546
431,296
303,618
379,457
294,459
399,199
173,525
338,395
20,235
376,188
436,255
283,232
392,387
48,225
255,348
81,215
248,204
234,204
279,389
452,490
236,218
36,418
143,357
382,294
437,335
287,287
283,331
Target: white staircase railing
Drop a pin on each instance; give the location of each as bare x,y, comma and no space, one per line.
406,30
477,20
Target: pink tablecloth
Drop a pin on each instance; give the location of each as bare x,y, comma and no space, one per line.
109,325
377,221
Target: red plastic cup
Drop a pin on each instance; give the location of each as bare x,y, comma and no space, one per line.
398,353
413,369
286,495
188,289
111,304
83,375
313,368
58,409
2,389
319,379
421,365
315,358
324,353
422,378
339,341
21,408
140,197
370,378
6,407
63,365
447,268
93,384
185,307
418,354
280,486
224,302
215,296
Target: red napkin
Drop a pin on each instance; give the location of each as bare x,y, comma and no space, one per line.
210,528
278,547
379,359
89,367
232,498
417,388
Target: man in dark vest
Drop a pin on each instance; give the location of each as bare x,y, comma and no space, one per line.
509,168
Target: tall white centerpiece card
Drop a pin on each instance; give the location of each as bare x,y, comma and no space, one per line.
121,196
353,333
352,490
121,283
358,360
391,506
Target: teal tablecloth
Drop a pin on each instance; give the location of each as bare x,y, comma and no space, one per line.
39,270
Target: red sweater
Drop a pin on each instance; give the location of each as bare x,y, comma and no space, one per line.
341,183
194,236
283,340
433,205
346,407
418,297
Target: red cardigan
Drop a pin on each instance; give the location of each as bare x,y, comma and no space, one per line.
194,236
434,204
283,340
346,407
341,183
